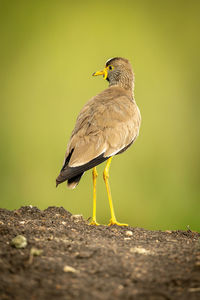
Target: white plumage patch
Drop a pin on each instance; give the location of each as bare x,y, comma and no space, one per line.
109,60
115,152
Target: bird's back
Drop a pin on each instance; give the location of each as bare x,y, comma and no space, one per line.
105,126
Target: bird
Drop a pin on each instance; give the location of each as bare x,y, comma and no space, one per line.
107,125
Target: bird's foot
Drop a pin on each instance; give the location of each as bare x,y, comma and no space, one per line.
94,222
114,222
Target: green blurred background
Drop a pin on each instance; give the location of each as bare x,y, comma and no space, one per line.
49,49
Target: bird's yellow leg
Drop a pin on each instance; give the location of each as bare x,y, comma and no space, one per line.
94,176
113,220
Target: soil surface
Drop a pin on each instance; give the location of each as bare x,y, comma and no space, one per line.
79,261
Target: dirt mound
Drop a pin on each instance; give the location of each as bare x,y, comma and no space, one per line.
79,261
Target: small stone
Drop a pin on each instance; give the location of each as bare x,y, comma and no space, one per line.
84,254
77,218
50,238
194,290
128,233
19,242
120,287
69,269
58,286
22,222
36,252
127,238
140,250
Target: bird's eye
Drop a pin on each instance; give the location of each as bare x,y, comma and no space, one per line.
110,67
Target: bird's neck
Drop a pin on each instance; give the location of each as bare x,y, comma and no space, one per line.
119,89
129,88
125,81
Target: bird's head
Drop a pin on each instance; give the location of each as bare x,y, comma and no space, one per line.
118,71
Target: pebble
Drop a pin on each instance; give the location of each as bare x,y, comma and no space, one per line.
19,242
84,254
140,250
36,252
69,269
77,218
128,233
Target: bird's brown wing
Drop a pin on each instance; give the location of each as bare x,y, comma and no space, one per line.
105,126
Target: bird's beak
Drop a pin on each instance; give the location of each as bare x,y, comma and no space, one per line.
104,73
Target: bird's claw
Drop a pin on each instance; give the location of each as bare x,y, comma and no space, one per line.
94,222
114,222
